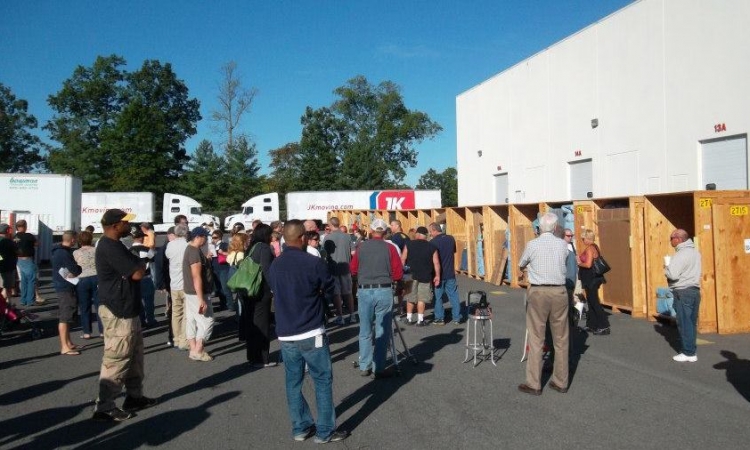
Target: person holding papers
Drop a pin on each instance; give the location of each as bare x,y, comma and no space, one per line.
64,279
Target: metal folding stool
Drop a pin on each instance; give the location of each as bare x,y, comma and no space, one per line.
479,315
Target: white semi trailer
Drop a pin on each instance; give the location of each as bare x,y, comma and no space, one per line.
316,204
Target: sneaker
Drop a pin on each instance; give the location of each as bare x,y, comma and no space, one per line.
422,323
113,415
138,403
456,322
170,343
409,322
338,321
305,435
685,358
439,322
333,437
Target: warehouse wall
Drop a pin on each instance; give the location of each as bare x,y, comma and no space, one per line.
658,75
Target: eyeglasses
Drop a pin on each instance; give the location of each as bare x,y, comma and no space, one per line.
569,235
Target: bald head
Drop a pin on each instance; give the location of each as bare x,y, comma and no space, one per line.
294,232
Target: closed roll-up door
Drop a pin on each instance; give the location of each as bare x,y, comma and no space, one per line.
581,179
725,163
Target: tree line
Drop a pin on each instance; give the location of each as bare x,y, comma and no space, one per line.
121,130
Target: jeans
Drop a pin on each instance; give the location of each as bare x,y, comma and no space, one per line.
223,278
687,303
318,359
148,291
218,270
375,309
27,268
451,290
88,295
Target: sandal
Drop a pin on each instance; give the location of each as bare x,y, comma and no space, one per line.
85,336
71,352
202,357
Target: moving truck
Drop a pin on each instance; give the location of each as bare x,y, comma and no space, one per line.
56,199
316,204
93,205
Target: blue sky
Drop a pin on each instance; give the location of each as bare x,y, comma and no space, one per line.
294,52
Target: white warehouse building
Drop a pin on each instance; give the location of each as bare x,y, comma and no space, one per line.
654,98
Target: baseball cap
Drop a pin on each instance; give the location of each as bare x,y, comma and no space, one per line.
199,231
112,216
378,225
422,231
4,227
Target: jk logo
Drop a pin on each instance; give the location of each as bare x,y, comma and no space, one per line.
395,202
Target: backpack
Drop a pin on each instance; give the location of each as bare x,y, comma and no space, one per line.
248,278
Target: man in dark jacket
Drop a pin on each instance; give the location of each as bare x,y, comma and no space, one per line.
64,272
300,282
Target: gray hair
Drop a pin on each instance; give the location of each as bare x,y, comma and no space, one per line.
181,230
548,223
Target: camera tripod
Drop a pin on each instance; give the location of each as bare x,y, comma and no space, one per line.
395,352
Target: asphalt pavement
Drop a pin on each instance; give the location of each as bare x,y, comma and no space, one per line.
625,392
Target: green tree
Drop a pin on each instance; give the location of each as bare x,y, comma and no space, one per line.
380,133
446,181
322,141
241,180
286,169
122,130
19,149
204,176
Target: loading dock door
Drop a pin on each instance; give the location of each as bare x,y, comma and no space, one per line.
501,189
724,163
580,179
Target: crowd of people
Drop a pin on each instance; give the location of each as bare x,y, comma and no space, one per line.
312,279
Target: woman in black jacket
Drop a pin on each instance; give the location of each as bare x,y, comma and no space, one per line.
256,313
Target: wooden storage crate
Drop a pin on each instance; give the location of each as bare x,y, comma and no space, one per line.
521,232
693,212
495,251
619,226
475,230
455,225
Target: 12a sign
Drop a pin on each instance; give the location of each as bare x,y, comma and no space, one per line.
719,127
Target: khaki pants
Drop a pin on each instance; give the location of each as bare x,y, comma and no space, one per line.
122,364
178,318
547,302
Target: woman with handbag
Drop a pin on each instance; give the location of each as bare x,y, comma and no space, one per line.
596,319
256,310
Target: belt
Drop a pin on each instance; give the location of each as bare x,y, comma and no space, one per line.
547,285
374,286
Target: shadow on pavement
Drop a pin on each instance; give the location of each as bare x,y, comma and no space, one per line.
29,392
670,334
738,372
376,392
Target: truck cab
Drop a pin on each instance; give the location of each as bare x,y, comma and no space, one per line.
175,204
261,207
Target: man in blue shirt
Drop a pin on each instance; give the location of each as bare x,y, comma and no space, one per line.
446,247
300,283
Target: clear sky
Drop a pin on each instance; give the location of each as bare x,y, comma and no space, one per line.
294,52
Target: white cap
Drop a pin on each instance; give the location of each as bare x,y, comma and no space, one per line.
378,225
